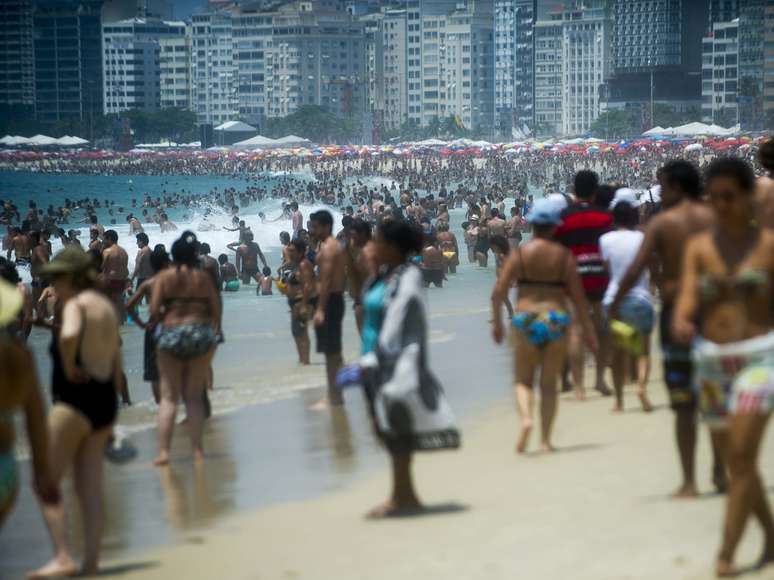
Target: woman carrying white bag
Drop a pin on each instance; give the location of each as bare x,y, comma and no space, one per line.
407,404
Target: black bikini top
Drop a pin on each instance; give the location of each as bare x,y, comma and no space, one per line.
524,280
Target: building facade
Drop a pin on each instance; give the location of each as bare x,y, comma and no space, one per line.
656,56
131,62
67,46
720,74
548,77
514,64
175,74
585,64
752,30
395,106
213,68
768,62
17,79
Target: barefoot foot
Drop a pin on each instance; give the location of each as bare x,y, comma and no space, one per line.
391,509
547,448
161,459
521,442
725,569
646,406
603,389
617,408
62,566
686,491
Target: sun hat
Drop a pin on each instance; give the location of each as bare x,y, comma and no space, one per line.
544,213
11,301
625,194
70,260
559,200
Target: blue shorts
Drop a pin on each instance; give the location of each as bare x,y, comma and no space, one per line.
639,313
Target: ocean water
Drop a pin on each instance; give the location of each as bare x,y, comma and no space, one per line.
257,364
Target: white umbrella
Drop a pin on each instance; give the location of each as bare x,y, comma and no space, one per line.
42,140
693,147
69,141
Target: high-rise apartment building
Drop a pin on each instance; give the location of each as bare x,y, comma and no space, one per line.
723,11
548,77
131,62
316,57
720,74
17,81
214,82
175,74
67,59
752,30
514,64
585,63
768,60
395,105
655,55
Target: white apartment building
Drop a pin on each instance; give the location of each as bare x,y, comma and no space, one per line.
548,77
175,75
514,64
130,61
434,62
720,74
468,63
395,108
585,64
214,69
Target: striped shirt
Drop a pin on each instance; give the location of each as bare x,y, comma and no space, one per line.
582,226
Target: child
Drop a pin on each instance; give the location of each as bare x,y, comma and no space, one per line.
264,283
228,274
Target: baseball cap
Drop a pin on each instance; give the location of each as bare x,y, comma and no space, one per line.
544,213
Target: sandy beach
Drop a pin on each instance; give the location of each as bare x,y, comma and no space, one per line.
596,509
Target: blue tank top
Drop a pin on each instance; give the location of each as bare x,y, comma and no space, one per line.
373,314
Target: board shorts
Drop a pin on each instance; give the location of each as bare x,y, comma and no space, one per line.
736,378
678,366
328,334
433,277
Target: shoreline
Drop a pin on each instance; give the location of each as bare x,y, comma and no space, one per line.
492,514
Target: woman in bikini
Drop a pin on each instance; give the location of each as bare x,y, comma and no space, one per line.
545,275
298,278
19,391
726,307
186,311
87,369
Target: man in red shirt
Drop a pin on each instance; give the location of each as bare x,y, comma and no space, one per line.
582,226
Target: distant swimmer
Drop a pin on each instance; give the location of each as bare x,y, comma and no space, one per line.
135,227
166,225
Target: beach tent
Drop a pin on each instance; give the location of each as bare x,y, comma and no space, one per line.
232,132
657,130
257,141
14,140
235,127
693,129
69,141
431,143
41,141
292,141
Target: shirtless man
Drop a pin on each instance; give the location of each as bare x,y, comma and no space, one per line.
142,262
296,219
330,307
496,224
432,263
247,256
22,247
115,269
39,259
764,187
665,238
165,225
94,242
96,226
360,263
447,243
135,227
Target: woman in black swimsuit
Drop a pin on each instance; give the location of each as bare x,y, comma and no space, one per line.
299,277
86,369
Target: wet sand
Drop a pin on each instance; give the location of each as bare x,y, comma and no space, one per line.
596,509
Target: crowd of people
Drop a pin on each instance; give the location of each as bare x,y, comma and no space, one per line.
598,261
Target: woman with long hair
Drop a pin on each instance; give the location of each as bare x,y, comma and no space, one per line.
87,372
406,402
726,307
547,280
186,313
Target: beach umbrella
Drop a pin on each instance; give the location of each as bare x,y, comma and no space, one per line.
693,147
